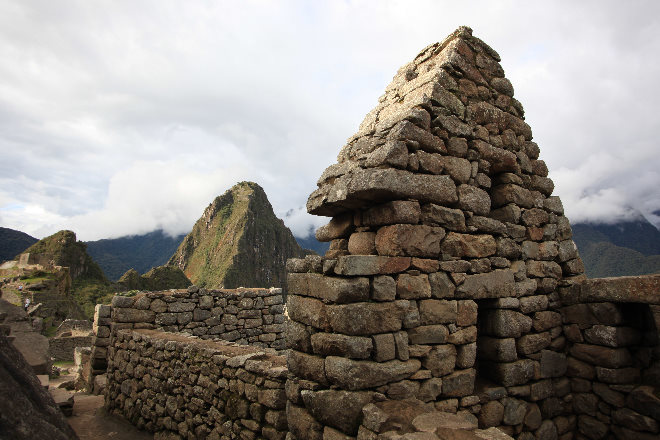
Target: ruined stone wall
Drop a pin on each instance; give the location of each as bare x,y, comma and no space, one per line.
165,382
245,316
614,356
62,348
446,251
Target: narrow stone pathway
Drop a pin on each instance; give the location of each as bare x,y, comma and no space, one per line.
92,422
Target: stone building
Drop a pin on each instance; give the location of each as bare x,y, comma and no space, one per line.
452,297
448,258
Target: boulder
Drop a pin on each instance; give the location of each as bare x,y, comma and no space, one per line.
27,410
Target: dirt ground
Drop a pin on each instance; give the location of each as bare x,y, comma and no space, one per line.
92,422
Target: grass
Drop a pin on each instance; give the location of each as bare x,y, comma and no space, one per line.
63,364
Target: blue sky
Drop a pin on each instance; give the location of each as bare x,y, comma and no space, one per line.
119,117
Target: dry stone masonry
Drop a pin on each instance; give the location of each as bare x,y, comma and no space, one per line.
447,255
244,316
451,305
614,357
196,389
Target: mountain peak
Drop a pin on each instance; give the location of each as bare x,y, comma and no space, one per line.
238,241
63,249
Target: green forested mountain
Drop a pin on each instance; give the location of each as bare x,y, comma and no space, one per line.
89,286
158,278
139,252
618,249
313,244
238,241
13,242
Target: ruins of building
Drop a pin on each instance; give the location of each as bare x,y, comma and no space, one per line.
452,284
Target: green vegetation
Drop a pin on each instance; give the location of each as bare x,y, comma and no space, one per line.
141,252
158,278
604,255
90,292
238,241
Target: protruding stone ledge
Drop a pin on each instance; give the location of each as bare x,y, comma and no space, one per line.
639,289
371,185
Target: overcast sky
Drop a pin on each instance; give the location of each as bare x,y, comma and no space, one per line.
120,117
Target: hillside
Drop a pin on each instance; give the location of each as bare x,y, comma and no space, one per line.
313,244
624,248
13,242
62,249
139,252
89,285
238,241
158,278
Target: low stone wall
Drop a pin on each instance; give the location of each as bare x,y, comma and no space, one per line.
245,316
614,356
74,325
196,388
62,348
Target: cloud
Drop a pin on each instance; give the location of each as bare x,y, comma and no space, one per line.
120,117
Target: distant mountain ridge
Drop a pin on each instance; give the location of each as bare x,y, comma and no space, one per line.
619,249
139,252
238,241
13,242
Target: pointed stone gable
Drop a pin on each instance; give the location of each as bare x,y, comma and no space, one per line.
447,119
446,252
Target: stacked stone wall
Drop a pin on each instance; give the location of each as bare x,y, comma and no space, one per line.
446,251
245,316
192,388
452,284
97,362
62,348
614,356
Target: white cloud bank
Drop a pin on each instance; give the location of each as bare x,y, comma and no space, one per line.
119,117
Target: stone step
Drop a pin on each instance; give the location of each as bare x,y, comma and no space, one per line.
63,399
43,378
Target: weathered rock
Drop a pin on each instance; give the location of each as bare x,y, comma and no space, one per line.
505,323
302,424
428,334
466,245
390,213
491,414
433,311
496,284
339,409
355,265
452,219
643,400
28,411
366,318
511,373
357,375
441,360
330,344
409,240
413,286
497,349
473,199
459,383
602,356
368,185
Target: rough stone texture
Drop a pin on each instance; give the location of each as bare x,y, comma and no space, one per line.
248,316
27,410
477,302
217,384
